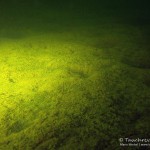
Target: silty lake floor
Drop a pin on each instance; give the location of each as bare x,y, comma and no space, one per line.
73,80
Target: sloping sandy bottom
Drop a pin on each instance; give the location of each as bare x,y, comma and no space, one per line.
81,88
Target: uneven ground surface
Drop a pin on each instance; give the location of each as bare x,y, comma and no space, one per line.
73,83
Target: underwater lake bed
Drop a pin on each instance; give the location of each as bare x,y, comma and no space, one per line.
73,80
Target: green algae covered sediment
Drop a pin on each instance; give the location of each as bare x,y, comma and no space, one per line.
77,83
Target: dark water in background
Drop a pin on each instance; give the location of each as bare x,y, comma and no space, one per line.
30,12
